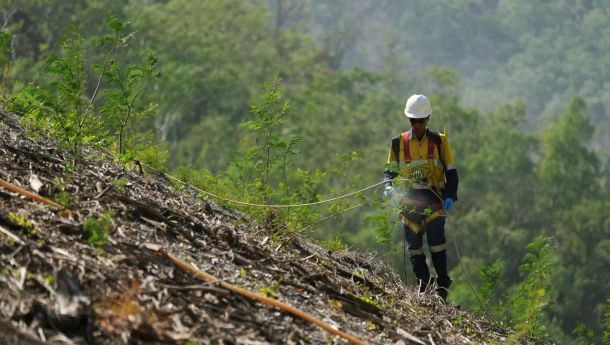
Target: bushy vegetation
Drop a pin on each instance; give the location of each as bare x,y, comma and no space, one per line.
180,90
98,228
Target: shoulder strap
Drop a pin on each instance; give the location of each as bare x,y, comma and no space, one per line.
407,148
396,147
436,137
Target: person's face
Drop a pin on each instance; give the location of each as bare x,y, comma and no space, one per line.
419,125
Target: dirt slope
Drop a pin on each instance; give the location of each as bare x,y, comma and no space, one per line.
55,287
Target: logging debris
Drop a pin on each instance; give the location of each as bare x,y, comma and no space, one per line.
57,288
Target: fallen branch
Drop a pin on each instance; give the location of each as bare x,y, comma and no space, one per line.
11,235
256,296
343,272
200,287
36,197
10,334
147,210
410,336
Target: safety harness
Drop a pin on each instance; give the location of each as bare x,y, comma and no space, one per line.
417,228
434,139
407,149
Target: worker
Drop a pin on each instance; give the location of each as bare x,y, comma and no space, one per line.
431,179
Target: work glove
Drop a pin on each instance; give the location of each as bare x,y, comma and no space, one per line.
387,191
447,204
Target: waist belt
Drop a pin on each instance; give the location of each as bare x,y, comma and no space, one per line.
417,228
420,203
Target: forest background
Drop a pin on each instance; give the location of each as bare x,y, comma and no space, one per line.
521,88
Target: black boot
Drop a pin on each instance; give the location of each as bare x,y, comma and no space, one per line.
443,284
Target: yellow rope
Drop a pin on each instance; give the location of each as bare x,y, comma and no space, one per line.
457,251
350,194
280,206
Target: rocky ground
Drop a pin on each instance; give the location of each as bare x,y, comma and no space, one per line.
57,288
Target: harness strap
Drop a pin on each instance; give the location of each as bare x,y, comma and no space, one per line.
431,149
405,137
407,149
417,228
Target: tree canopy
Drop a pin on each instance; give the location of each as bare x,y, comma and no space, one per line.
519,88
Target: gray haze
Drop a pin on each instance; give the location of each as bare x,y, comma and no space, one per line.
542,54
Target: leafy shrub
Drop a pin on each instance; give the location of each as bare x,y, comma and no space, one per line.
5,59
98,228
528,302
585,334
607,323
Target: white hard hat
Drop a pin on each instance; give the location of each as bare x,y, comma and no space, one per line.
418,107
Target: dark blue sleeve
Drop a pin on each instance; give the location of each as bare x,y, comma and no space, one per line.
389,175
452,184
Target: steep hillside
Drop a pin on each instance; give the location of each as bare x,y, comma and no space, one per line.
57,287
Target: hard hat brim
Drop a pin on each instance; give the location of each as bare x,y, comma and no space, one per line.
416,116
